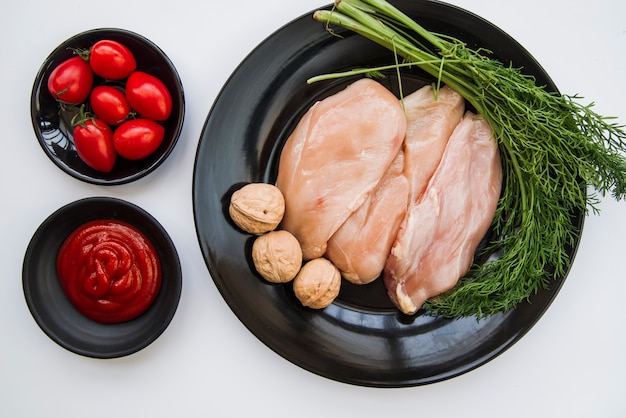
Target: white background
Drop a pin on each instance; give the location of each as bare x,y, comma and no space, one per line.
571,364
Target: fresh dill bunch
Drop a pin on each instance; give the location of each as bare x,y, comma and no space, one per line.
557,156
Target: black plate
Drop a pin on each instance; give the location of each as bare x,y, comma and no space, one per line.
52,123
360,339
53,312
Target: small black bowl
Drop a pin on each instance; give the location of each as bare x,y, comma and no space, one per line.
54,313
51,122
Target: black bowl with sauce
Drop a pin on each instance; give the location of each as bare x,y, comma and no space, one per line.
51,308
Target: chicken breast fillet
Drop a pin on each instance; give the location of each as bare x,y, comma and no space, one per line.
438,239
431,119
360,247
336,155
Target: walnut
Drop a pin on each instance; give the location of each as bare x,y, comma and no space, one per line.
277,256
317,284
257,207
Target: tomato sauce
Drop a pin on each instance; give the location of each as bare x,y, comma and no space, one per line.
109,271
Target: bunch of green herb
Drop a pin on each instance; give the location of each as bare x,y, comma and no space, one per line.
553,150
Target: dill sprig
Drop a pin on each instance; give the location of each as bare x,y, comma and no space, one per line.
558,156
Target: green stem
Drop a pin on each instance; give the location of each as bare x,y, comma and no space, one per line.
390,11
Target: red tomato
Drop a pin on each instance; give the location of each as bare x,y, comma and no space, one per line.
93,140
71,81
111,60
109,104
148,96
138,138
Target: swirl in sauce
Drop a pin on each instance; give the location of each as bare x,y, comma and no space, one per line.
109,271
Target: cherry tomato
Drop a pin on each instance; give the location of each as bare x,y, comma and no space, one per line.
148,96
109,104
71,81
138,138
93,140
111,60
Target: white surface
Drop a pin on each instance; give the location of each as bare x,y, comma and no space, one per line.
571,364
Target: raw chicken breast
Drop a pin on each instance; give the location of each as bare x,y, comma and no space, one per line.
361,245
431,121
336,155
445,226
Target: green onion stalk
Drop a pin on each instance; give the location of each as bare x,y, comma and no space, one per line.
558,156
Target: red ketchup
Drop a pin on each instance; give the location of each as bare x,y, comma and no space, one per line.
109,271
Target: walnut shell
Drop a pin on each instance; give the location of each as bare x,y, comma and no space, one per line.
317,284
257,208
277,256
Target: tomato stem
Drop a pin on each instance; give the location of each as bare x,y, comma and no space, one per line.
82,116
83,53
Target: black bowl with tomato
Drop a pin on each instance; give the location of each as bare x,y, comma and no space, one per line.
65,116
